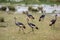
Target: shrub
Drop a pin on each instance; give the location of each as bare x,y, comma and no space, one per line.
11,8
3,8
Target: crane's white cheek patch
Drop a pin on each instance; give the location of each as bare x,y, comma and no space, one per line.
20,25
50,22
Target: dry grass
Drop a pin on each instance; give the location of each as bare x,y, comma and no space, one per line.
11,32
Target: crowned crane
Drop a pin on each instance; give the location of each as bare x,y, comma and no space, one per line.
29,15
42,16
20,25
53,21
32,25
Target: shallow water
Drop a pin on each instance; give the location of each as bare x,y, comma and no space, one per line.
54,15
50,9
21,9
47,8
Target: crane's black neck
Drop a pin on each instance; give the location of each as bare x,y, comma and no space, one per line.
27,14
56,17
27,20
15,20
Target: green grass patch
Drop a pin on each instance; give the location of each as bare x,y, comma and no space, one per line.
11,32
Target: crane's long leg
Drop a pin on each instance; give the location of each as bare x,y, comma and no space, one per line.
39,19
53,26
32,29
43,18
19,28
23,30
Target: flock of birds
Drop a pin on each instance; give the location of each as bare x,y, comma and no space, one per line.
33,26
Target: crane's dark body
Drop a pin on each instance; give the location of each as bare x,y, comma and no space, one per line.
53,21
19,24
42,16
31,25
30,16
